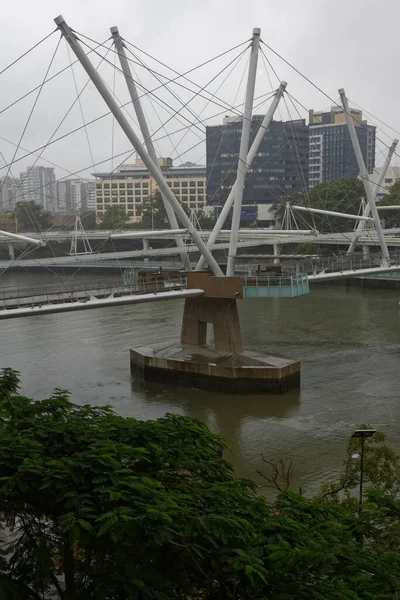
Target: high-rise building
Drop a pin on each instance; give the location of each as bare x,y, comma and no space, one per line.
75,195
10,193
331,152
279,168
39,184
132,184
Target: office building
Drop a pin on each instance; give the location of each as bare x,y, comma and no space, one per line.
331,152
39,184
130,185
279,168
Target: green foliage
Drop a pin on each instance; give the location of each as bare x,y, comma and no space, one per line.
30,216
206,222
114,217
89,220
381,468
152,213
391,217
339,195
393,197
95,506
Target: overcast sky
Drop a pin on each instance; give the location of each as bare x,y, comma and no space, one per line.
347,43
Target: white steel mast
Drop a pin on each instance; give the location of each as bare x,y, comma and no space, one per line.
137,105
252,152
135,141
365,179
244,148
378,184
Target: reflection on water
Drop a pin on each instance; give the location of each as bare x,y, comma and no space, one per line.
347,339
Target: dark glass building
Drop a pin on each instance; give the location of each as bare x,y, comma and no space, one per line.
331,151
280,167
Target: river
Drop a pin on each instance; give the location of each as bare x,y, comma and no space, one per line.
347,339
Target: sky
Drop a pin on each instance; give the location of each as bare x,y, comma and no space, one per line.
346,43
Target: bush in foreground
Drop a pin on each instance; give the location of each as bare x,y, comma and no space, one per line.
97,506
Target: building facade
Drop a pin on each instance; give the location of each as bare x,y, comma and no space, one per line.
279,168
75,195
131,185
39,184
10,193
331,153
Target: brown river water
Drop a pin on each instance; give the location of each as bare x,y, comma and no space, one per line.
347,339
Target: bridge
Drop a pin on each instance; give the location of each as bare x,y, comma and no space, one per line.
210,290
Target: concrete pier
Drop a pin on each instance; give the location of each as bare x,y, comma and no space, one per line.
224,366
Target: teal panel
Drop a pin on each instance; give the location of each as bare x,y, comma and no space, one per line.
275,287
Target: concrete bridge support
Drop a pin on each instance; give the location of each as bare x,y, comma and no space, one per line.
11,251
222,366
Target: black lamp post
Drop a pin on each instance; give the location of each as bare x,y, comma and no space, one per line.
362,433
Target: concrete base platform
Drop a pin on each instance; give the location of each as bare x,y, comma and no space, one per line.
205,368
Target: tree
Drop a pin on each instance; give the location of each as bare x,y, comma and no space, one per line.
89,220
96,506
392,217
30,216
114,217
381,468
152,212
393,197
103,507
339,195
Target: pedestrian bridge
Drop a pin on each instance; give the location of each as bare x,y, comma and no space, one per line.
22,302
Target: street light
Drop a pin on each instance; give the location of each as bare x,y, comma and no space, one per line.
362,433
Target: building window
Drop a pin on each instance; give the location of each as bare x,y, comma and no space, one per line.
184,184
200,183
106,186
130,186
184,198
114,185
192,184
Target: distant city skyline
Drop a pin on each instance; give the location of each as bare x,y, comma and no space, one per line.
306,38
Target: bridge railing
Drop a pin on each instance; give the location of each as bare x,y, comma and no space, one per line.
275,286
23,297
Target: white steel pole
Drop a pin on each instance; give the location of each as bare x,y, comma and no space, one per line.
23,238
252,152
137,105
365,179
332,213
375,191
135,141
244,148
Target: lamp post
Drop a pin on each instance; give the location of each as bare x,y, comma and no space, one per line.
362,433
